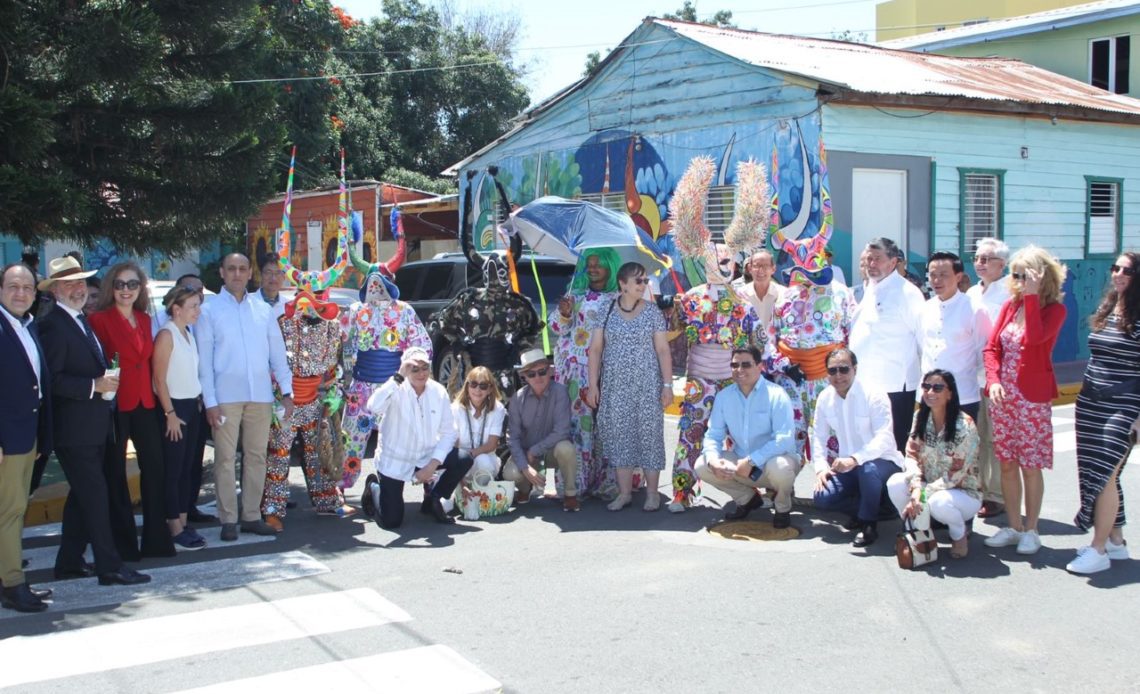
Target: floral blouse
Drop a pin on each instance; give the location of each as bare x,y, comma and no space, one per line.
948,465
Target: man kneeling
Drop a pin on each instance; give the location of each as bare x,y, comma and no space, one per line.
758,416
417,437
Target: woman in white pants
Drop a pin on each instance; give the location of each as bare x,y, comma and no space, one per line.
942,462
479,419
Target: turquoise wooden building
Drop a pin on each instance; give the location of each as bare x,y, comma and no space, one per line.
933,151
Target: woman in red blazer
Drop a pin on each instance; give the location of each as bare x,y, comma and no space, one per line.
1021,386
123,326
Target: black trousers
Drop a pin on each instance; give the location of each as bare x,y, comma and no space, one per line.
178,457
140,426
196,461
454,467
86,513
902,415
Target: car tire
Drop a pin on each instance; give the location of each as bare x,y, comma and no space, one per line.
452,367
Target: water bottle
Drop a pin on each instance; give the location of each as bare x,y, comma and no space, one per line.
112,371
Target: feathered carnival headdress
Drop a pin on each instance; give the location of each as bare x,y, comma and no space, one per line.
745,233
312,282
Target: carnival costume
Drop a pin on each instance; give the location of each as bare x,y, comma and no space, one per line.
494,323
714,318
312,345
571,367
379,328
813,315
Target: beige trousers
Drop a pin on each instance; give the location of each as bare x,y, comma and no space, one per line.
989,467
252,420
779,475
15,478
563,456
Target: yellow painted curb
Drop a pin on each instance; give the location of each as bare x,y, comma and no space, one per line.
46,505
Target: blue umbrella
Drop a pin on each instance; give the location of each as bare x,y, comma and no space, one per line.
564,228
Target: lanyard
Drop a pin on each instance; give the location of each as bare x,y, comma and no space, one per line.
471,428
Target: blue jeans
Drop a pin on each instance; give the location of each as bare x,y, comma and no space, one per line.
861,489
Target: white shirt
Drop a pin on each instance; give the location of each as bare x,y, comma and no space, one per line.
764,304
182,371
861,422
25,335
415,428
885,334
489,424
992,296
953,335
238,344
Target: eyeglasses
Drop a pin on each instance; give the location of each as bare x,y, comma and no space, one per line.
1020,276
640,280
936,387
537,372
1126,271
983,259
833,370
741,365
120,285
420,369
479,386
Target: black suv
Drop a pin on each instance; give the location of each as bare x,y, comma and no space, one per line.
429,285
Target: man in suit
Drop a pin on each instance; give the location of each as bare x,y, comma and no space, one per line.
25,428
81,420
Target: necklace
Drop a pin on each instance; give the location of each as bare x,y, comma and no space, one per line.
630,309
471,428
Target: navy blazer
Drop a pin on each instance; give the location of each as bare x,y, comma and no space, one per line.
25,412
79,416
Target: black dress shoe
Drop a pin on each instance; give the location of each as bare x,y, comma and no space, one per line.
24,563
196,516
367,503
867,536
742,511
41,593
123,577
437,512
21,599
781,520
85,571
853,523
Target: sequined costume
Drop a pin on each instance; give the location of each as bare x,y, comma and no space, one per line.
571,367
378,329
312,345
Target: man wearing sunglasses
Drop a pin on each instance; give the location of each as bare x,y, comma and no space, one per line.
758,416
539,424
859,417
417,433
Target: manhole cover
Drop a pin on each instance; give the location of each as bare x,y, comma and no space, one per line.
752,530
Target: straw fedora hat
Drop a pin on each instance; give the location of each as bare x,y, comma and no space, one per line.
65,268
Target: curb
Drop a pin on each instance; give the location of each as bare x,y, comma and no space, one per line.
46,505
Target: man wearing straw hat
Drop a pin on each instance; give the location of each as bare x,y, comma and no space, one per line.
539,424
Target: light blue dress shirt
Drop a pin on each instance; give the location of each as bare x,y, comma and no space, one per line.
762,425
239,342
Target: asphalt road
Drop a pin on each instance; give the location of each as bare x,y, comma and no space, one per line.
544,601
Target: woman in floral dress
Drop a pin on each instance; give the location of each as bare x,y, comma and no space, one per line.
1021,386
592,291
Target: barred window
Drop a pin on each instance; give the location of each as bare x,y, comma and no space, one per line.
1103,221
981,208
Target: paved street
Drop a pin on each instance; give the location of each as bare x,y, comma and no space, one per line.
544,601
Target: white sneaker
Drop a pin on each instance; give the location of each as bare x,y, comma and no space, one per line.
1029,543
1006,537
1088,561
1117,552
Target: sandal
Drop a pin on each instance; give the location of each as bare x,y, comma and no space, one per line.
960,548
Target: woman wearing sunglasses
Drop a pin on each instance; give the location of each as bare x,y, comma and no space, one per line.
1021,386
635,379
1107,407
123,326
942,462
479,420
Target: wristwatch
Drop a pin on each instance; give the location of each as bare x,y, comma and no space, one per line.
398,378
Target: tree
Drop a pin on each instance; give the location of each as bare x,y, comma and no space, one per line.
850,36
688,13
593,62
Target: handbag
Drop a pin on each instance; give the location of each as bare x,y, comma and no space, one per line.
914,547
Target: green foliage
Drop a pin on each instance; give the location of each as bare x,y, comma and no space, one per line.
688,13
419,181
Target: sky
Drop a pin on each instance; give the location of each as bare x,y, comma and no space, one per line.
557,37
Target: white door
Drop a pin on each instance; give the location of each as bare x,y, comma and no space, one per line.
878,208
313,235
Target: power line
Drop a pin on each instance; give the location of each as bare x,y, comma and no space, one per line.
381,73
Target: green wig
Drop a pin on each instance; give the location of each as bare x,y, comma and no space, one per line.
608,258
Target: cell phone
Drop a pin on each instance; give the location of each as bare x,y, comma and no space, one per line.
756,473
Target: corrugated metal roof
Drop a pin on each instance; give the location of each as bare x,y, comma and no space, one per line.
875,70
1048,20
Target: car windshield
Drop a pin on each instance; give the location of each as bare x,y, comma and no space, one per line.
555,281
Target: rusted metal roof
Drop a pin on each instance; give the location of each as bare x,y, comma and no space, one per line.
875,70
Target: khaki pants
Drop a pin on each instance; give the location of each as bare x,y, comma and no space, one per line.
563,456
15,478
252,419
989,467
779,475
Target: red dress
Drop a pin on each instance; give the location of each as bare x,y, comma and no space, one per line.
1022,430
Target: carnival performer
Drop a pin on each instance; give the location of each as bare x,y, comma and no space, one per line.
714,317
493,324
379,329
312,336
592,290
813,315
